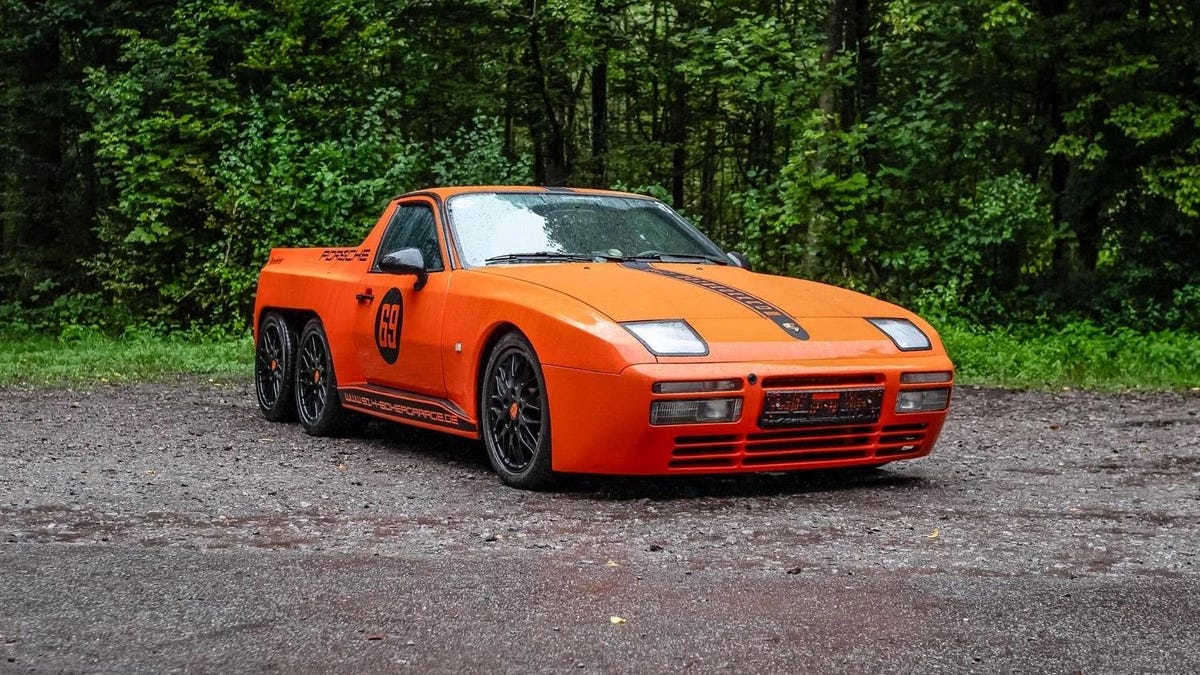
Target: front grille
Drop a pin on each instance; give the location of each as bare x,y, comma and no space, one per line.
798,448
692,452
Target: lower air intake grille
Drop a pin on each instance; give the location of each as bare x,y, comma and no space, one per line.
798,448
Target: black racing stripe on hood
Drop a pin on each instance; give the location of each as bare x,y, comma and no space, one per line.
753,303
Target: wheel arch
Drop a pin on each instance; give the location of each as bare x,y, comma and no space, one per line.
494,336
295,318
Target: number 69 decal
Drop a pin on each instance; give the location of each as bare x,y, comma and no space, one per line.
388,320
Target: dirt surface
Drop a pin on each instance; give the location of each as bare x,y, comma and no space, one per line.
163,527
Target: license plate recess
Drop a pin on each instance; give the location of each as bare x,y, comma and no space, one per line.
813,407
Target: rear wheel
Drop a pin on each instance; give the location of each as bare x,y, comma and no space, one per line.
274,369
317,403
515,418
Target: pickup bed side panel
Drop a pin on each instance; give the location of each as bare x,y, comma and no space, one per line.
323,282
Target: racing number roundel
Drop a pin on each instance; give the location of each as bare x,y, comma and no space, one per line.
388,320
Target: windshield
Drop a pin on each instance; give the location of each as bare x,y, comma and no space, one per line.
521,227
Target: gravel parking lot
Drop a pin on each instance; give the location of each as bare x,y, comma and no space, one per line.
167,526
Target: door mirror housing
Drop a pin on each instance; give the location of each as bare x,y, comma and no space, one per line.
406,261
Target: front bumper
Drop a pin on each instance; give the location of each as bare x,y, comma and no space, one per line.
600,423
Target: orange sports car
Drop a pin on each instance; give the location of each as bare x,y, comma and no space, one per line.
587,331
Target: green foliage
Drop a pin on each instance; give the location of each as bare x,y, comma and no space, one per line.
985,161
281,186
223,142
55,314
474,155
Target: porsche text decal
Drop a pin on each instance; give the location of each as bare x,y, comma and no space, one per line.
753,303
406,409
388,320
345,254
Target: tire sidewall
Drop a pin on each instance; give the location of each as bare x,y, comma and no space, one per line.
328,418
283,408
539,473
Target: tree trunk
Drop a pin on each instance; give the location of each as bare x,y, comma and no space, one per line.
600,121
546,128
677,113
1048,107
603,15
829,102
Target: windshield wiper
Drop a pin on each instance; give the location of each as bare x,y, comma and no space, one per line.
678,257
540,256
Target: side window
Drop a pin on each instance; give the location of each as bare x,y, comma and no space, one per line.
412,227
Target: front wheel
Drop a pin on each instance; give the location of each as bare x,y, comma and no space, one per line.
274,368
317,403
515,418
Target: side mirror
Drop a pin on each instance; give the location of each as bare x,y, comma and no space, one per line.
740,260
406,261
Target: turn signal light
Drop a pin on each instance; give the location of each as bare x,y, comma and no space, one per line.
702,411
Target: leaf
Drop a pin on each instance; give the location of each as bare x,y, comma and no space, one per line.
616,620
934,534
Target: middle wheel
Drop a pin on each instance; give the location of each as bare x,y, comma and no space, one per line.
317,403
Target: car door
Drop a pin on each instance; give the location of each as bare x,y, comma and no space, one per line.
398,327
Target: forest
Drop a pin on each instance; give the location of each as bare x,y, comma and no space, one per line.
984,162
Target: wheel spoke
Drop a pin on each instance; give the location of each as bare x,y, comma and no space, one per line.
529,439
312,378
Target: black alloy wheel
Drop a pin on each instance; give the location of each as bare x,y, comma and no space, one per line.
273,368
515,418
317,403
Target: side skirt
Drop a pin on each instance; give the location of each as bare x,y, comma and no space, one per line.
406,408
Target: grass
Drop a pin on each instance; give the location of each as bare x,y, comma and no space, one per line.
94,358
1078,356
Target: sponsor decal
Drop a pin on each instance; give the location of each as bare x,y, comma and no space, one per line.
407,409
388,320
345,254
753,303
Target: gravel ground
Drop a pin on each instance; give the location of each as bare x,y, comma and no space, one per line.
162,527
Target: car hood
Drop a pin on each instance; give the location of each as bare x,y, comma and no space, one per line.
736,311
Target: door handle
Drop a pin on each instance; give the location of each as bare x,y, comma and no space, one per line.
365,297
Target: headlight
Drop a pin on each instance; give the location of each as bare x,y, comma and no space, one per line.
903,333
668,338
926,378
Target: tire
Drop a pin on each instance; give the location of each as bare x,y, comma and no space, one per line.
317,403
274,368
514,415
